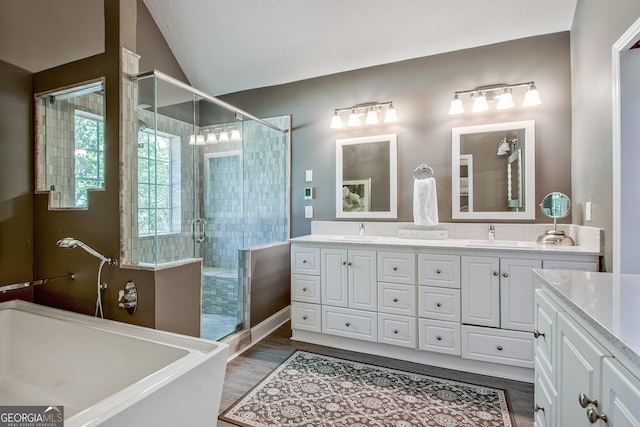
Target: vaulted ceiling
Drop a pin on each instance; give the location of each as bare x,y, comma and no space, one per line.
226,46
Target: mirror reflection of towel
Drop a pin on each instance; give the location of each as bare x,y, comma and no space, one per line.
425,202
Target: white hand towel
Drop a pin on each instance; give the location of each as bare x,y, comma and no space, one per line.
425,202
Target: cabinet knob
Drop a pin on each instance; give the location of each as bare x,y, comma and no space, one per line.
344,262
505,274
499,348
304,317
439,338
585,400
347,324
349,264
438,271
495,273
438,304
304,289
395,268
538,334
537,408
593,416
395,331
304,261
395,300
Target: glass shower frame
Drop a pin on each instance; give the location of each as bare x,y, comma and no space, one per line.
167,109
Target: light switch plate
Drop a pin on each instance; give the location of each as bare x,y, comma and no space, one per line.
308,211
308,175
587,211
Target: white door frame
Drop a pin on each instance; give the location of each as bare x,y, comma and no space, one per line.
623,43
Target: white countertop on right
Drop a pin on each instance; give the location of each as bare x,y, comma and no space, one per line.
609,302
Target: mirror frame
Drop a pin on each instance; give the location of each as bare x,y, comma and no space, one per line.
393,176
529,211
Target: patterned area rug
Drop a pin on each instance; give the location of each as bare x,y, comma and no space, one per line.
311,390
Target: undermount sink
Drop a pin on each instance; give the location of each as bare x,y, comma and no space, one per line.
499,243
348,238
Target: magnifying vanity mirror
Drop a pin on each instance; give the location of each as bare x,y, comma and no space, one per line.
555,205
493,171
367,177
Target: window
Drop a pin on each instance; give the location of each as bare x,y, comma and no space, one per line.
158,209
89,155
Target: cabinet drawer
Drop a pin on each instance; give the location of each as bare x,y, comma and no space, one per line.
439,270
344,322
305,260
397,299
397,267
305,288
306,316
439,336
569,265
397,330
498,346
439,303
546,327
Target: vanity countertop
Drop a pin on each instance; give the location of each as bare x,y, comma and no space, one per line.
468,244
608,302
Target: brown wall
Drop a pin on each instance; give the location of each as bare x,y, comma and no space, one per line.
421,90
16,178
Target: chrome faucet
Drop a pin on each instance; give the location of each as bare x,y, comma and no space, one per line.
362,228
492,232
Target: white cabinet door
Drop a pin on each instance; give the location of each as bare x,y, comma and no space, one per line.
544,399
579,358
517,285
545,333
363,291
620,395
334,277
480,291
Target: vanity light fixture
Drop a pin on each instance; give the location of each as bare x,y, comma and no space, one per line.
370,109
196,139
500,92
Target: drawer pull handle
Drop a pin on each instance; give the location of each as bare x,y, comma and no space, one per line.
585,401
304,289
505,274
395,268
438,304
347,324
537,408
499,348
495,273
438,271
593,416
395,300
538,334
395,331
304,317
439,338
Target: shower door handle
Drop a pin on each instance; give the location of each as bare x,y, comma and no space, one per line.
199,229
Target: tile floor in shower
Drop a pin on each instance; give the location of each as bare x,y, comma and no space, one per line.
219,302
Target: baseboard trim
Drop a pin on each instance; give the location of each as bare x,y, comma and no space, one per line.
259,332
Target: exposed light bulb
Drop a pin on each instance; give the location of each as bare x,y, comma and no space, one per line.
480,103
532,97
456,105
336,121
505,100
390,116
372,117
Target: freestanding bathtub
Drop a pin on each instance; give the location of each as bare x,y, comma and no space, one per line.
107,373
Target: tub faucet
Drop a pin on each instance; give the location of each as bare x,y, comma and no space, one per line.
492,232
362,228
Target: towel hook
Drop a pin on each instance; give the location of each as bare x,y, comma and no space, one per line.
423,172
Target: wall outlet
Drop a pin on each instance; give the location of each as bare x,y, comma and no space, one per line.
423,234
308,211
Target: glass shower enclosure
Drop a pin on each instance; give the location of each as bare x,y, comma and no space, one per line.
207,180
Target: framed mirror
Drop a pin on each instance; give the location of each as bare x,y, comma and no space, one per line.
367,177
493,171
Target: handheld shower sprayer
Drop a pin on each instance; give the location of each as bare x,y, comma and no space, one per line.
70,242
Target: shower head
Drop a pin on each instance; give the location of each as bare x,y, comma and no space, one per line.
70,242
